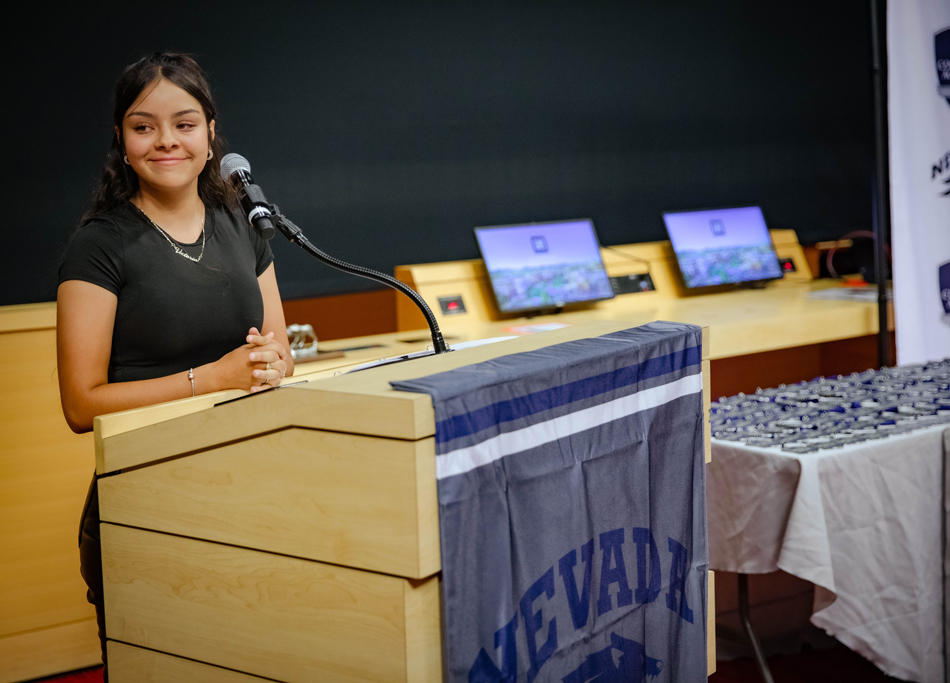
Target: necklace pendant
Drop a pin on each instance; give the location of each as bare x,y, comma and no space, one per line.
178,250
181,252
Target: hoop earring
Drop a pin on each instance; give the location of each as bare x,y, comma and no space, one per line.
210,154
125,157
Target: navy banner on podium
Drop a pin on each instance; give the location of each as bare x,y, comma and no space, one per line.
572,510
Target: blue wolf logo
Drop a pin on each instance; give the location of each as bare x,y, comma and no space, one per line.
942,57
943,274
633,666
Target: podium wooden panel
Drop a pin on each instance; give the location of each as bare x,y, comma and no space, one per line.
277,616
353,500
46,625
291,535
130,663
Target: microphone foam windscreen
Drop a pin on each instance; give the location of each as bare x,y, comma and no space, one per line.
233,162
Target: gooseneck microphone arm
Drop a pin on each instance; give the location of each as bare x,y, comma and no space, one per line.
295,235
263,215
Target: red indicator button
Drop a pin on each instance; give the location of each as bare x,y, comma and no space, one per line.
452,305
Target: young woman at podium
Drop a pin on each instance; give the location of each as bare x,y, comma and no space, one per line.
165,291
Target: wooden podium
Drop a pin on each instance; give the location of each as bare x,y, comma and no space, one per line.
290,535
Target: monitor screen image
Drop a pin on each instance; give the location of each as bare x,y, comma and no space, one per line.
722,246
543,265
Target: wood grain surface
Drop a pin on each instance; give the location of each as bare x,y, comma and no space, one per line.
130,663
267,615
45,472
47,651
357,501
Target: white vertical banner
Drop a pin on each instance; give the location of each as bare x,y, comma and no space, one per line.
918,62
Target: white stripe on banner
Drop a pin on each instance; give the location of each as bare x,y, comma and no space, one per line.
467,459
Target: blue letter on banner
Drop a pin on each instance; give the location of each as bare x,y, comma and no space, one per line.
579,604
611,543
678,570
643,538
533,621
484,669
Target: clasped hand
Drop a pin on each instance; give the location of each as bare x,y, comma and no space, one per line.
260,364
266,357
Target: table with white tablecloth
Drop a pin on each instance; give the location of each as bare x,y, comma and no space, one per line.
863,522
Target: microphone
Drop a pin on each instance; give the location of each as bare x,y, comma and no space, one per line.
236,170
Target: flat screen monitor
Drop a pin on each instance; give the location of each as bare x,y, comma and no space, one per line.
717,247
539,266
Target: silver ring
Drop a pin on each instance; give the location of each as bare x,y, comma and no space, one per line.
268,366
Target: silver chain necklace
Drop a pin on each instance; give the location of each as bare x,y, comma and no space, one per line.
178,250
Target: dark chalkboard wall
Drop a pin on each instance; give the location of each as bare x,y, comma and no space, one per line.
389,130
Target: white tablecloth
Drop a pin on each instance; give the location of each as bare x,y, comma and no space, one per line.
863,523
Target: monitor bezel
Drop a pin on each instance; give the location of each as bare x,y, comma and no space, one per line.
537,309
727,286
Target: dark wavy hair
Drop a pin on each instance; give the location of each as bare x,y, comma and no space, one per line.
119,182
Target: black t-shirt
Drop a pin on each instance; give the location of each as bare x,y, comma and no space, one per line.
172,314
